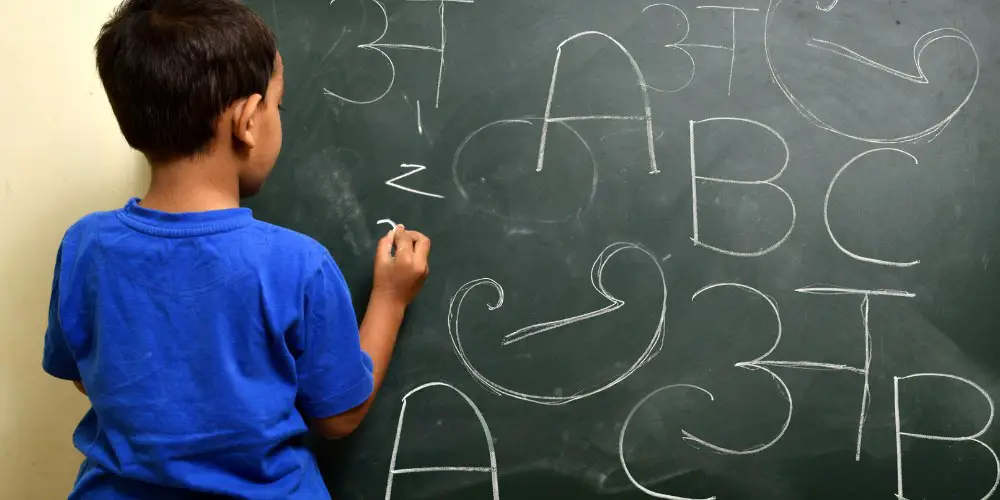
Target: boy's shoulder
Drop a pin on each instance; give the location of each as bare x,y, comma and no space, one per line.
89,225
289,253
288,241
274,243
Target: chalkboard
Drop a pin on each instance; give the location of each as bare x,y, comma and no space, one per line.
739,250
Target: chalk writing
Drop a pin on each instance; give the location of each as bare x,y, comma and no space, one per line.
414,169
826,211
866,370
762,362
755,364
679,44
633,112
597,282
695,178
621,441
828,7
647,116
682,43
491,469
377,46
456,162
731,48
420,121
974,438
918,48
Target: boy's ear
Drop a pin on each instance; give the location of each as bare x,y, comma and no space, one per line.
244,120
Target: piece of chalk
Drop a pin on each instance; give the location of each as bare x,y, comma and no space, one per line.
392,250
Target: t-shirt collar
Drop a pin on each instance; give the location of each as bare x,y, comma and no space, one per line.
183,224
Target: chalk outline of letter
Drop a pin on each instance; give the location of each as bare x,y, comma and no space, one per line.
826,211
377,46
373,45
492,469
918,48
524,121
755,364
732,62
415,170
656,343
864,372
973,437
769,182
643,88
621,442
680,45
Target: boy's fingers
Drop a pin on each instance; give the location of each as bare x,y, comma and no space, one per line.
404,242
421,245
384,250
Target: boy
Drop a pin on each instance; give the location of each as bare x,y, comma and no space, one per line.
207,340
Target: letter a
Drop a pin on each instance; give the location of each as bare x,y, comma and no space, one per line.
647,115
491,470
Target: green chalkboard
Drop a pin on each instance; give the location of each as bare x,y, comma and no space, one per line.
681,250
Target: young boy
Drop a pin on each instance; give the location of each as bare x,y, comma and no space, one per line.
206,340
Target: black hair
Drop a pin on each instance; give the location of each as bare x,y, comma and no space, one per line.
171,67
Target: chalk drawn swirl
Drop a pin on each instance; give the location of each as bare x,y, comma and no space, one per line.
596,280
919,77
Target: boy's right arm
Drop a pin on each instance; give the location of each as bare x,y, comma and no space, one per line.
397,281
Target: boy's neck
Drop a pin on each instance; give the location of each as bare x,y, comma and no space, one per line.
197,184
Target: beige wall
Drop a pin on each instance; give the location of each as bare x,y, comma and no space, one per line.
60,156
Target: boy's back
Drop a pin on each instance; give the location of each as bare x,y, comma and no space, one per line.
196,335
207,341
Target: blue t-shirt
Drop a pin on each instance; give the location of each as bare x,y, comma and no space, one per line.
205,341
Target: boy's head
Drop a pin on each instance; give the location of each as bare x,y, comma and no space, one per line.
195,77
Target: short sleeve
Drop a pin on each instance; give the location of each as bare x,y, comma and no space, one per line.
334,374
57,358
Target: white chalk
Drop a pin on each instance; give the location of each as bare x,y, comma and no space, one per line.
390,222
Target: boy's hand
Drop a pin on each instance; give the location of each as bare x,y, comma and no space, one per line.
399,278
